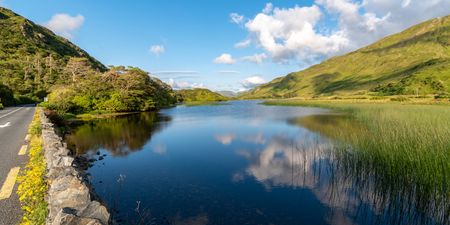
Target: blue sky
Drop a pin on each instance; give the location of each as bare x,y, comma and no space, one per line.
287,35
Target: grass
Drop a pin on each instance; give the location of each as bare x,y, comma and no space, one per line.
32,183
400,149
200,95
414,61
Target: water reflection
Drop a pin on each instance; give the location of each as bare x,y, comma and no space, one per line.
119,135
216,166
352,195
400,195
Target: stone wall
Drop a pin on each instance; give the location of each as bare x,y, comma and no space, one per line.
70,200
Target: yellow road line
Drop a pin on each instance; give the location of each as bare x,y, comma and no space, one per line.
28,137
10,181
23,150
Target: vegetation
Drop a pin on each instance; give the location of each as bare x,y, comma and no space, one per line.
32,184
34,63
120,135
413,62
33,59
200,95
121,90
404,147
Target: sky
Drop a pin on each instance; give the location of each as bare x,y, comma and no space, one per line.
224,44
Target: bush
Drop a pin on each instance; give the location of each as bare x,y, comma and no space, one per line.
7,96
61,100
114,104
442,96
400,99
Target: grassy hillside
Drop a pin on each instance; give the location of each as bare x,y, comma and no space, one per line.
200,95
415,61
35,63
33,58
229,94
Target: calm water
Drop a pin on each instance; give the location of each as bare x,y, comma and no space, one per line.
238,163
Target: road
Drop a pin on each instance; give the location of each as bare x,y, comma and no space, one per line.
14,122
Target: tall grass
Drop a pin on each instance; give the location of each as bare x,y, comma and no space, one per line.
400,151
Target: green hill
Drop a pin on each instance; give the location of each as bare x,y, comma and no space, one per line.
415,61
32,57
200,95
34,63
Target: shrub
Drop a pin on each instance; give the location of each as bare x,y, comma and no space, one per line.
61,100
400,99
114,104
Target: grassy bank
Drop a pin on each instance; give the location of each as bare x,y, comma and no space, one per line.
402,150
32,184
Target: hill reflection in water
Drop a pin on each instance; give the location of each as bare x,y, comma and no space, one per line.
245,163
119,135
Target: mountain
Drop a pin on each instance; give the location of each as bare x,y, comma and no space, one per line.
200,95
35,63
229,94
415,61
32,57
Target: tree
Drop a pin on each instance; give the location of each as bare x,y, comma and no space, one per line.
77,67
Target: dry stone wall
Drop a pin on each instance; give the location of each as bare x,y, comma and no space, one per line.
69,196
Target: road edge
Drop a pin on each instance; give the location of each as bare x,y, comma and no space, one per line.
70,197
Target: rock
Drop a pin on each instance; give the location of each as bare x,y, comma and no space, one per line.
69,197
65,217
68,191
97,211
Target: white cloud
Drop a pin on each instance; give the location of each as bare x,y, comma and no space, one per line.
157,49
253,81
160,149
256,58
296,34
225,59
406,3
175,72
184,84
236,18
65,24
243,44
228,72
289,33
225,139
258,138
268,8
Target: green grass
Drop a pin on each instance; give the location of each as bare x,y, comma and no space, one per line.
402,150
200,95
414,61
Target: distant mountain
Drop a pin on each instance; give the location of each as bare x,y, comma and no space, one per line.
200,95
415,61
229,94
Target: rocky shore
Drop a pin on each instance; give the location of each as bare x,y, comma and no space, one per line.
70,198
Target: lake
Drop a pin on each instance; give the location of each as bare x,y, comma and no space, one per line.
242,163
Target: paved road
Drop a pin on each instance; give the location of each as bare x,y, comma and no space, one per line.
14,122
